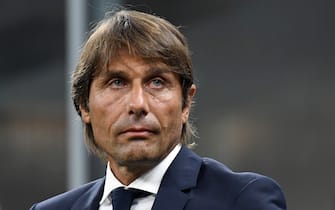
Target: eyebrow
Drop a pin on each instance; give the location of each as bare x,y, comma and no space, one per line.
106,76
154,70
158,70
115,73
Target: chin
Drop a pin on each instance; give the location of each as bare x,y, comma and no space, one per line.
140,161
138,153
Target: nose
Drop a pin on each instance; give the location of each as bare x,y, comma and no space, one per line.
138,104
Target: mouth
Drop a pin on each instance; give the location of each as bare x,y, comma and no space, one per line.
138,133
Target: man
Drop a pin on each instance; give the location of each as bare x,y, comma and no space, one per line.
133,88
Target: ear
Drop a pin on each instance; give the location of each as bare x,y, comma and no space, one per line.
85,115
187,108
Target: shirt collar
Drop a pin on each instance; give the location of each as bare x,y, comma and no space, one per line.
149,181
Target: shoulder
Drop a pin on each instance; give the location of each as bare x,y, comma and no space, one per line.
220,172
241,189
261,192
67,199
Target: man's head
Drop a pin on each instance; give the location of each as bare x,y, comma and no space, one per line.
143,38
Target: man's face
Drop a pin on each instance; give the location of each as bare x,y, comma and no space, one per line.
135,109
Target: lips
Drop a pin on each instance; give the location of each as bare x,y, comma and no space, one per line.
138,132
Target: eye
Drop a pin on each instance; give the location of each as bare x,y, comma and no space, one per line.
156,83
117,83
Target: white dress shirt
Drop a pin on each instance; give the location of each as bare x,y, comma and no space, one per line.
149,182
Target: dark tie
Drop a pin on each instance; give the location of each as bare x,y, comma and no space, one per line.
123,198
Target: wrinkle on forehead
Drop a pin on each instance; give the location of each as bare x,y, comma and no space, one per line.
120,61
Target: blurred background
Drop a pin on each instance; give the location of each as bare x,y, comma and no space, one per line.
265,100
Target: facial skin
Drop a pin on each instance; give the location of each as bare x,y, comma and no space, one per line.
135,109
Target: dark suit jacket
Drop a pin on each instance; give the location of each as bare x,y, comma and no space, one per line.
190,183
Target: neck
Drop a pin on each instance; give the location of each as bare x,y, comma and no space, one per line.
127,174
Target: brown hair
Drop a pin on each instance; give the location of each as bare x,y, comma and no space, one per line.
144,35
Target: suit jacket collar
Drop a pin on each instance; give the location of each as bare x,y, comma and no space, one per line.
90,199
180,177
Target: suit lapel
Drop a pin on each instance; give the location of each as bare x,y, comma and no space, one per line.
90,199
173,192
182,175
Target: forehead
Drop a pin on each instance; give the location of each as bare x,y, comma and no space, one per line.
124,62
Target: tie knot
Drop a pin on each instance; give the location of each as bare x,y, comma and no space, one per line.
122,198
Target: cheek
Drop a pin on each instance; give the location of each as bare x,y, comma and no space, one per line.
170,117
104,111
106,104
168,108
